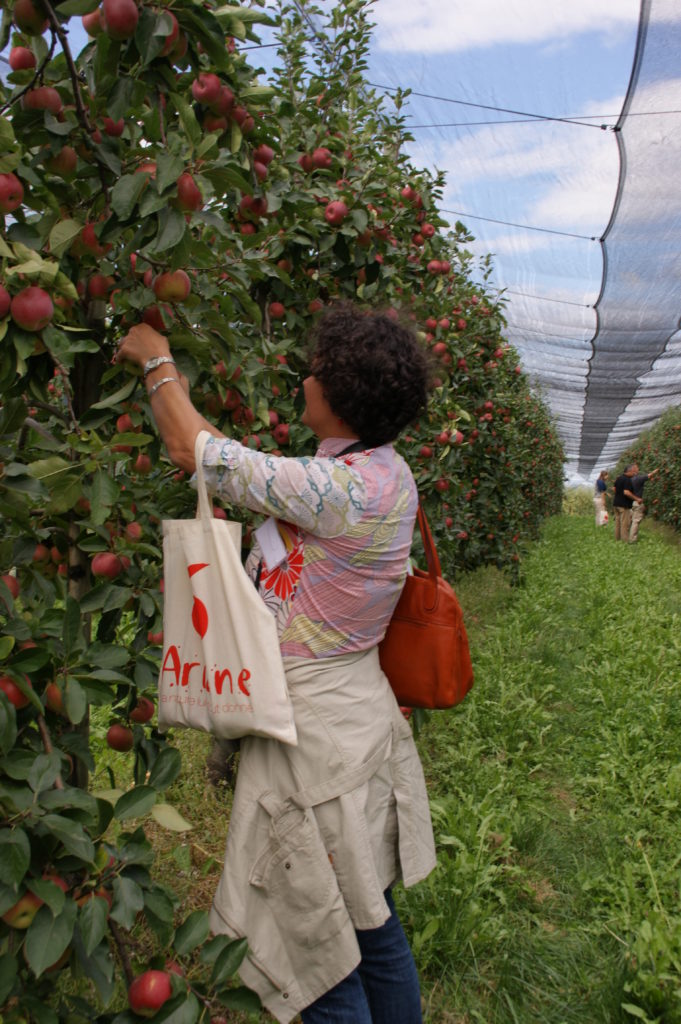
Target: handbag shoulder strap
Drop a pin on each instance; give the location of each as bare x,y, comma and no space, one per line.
432,557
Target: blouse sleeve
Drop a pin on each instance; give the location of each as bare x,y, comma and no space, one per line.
324,496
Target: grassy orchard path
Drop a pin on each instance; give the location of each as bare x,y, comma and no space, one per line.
556,791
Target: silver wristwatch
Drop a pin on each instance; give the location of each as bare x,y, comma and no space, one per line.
153,364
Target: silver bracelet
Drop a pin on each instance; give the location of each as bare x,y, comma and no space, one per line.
153,364
159,384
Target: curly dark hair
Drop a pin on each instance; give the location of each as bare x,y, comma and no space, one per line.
373,371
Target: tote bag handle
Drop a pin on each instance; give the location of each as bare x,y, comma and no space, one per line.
204,509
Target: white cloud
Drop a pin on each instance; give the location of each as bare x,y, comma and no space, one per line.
430,25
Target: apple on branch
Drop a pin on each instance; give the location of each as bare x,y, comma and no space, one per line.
172,286
149,991
32,309
11,193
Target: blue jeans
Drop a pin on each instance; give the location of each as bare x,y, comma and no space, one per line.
383,989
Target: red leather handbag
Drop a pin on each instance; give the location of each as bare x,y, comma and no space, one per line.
424,652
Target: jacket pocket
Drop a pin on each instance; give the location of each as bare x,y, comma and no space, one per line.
300,885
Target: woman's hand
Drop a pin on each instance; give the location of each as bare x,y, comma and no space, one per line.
141,344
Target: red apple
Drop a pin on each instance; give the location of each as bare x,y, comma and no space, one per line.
63,163
54,698
143,710
21,58
119,18
14,695
23,911
149,992
99,286
188,193
206,88
322,157
173,286
263,154
306,162
277,310
11,193
155,638
224,103
133,532
107,565
154,316
143,464
281,433
90,242
29,17
92,23
120,738
32,309
434,267
113,128
335,213
42,98
172,37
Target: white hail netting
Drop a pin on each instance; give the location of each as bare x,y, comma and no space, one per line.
594,311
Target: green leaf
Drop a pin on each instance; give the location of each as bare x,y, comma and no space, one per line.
44,771
168,170
213,948
187,118
108,655
170,818
125,194
71,633
51,894
228,961
166,768
92,922
49,936
159,904
8,973
75,700
78,7
70,834
8,726
120,100
49,469
192,932
135,803
128,901
62,235
187,1012
117,396
171,229
240,998
15,855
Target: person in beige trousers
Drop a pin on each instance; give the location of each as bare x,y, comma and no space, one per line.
638,510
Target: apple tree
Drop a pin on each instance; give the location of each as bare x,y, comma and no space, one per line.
155,176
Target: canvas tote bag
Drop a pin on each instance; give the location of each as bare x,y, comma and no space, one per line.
222,670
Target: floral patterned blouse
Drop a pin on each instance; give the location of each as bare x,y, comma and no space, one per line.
346,522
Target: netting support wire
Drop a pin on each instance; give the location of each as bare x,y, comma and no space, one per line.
525,227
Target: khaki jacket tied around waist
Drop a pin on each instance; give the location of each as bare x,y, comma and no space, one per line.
319,831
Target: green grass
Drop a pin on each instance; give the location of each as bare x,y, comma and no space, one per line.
555,791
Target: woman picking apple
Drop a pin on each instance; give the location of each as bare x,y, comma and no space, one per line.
320,832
